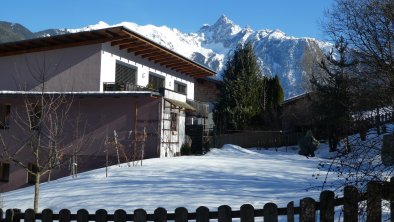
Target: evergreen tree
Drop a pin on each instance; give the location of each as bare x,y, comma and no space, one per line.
240,94
333,103
272,98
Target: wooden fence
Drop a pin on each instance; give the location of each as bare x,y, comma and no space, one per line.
306,212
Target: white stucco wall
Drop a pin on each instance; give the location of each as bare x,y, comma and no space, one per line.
110,55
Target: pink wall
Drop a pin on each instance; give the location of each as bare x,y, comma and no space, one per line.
63,69
98,118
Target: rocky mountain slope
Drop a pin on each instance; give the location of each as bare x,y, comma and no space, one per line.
292,59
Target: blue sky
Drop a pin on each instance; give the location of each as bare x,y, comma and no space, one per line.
296,18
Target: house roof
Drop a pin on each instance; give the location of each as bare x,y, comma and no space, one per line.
121,37
87,93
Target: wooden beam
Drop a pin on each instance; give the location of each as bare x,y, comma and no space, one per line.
154,54
146,51
166,59
177,61
180,65
132,45
121,41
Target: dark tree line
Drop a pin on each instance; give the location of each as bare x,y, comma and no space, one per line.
248,100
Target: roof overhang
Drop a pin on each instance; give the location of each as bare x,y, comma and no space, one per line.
81,94
180,104
121,37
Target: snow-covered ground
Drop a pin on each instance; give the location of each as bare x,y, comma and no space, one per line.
231,175
228,176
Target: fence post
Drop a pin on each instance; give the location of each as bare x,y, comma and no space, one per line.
120,216
290,211
47,215
101,215
391,196
1,215
202,214
224,213
9,215
350,204
247,213
374,202
64,215
82,215
160,215
30,215
139,215
181,214
327,206
307,210
270,212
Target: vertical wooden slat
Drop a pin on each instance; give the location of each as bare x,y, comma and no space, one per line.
9,215
47,215
391,195
290,211
120,216
82,215
247,213
307,210
64,215
30,215
160,215
139,215
101,215
270,212
224,213
16,215
202,214
1,214
374,202
327,205
350,204
181,214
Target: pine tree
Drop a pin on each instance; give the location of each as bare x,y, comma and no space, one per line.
240,94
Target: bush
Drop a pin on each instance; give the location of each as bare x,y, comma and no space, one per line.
186,149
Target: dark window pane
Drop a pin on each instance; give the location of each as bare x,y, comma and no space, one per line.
5,111
4,172
155,82
125,74
180,88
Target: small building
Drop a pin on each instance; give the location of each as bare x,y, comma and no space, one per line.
119,88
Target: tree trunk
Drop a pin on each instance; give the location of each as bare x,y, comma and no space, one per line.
36,191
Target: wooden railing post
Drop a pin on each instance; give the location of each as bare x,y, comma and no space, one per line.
120,216
160,215
247,213
307,210
9,215
64,215
327,206
270,212
224,213
47,215
30,215
202,214
82,215
391,196
140,215
290,212
374,202
350,204
101,215
181,214
1,215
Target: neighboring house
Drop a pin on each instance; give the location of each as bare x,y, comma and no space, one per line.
118,84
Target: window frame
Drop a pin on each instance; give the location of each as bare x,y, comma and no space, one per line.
176,89
121,85
156,76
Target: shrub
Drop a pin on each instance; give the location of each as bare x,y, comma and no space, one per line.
186,149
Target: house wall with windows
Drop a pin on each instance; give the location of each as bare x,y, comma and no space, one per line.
110,56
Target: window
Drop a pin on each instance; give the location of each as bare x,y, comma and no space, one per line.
124,76
174,121
4,172
5,111
156,82
180,88
35,116
30,177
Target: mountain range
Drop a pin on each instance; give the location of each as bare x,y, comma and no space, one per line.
292,59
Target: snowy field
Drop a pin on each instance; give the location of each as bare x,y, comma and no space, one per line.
228,176
231,176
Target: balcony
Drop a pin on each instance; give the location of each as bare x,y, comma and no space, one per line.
111,86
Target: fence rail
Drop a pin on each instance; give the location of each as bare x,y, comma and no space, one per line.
306,211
